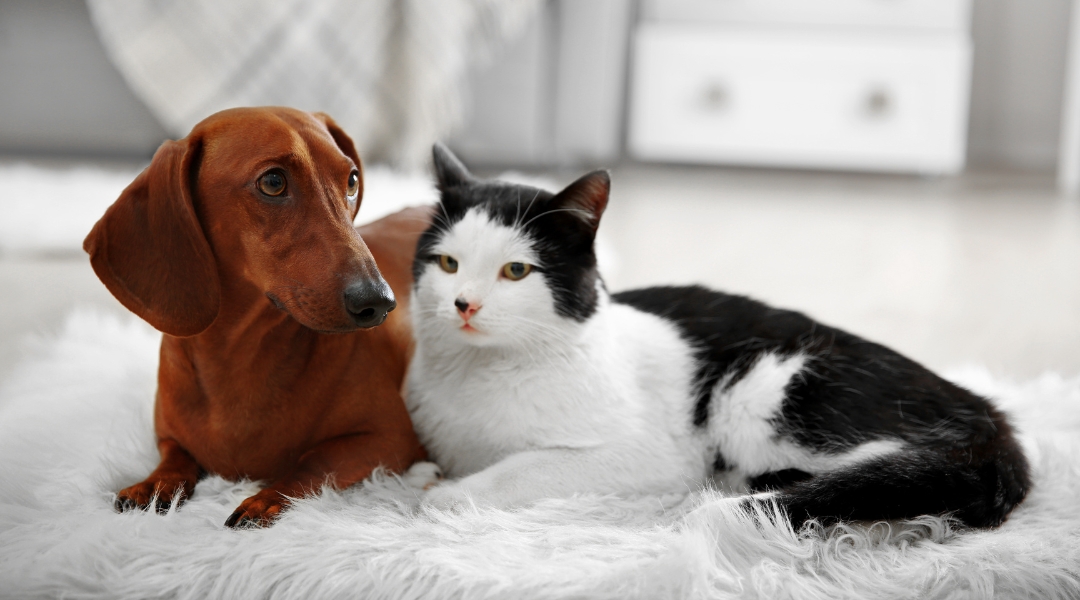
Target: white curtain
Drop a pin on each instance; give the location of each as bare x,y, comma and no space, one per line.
390,72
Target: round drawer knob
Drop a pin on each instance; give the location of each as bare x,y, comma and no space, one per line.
878,103
715,97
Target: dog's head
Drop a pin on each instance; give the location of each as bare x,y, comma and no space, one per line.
253,200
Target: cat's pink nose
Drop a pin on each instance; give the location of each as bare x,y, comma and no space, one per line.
465,308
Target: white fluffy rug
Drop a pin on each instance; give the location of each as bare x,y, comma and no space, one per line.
75,427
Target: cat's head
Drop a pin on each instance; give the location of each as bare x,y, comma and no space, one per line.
505,264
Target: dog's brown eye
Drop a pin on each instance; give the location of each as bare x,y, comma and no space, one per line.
354,185
272,183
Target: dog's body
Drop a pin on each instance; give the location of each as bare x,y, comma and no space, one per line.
237,242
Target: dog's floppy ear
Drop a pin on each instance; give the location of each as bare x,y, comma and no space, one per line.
345,144
150,250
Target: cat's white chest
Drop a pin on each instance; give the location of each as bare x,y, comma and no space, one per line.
490,409
625,381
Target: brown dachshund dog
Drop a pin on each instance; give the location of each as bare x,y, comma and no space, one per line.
237,243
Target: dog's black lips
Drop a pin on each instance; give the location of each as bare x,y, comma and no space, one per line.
277,302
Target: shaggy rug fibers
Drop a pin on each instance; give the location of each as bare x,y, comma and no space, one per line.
75,427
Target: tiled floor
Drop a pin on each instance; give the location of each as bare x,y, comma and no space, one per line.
979,269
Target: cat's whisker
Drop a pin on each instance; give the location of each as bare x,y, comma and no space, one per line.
584,214
517,222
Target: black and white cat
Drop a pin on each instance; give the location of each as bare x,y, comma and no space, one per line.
530,380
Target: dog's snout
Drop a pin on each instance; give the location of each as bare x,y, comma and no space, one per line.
369,301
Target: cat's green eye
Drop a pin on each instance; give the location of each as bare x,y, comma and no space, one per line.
447,263
515,270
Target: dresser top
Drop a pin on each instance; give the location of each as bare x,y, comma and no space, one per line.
932,15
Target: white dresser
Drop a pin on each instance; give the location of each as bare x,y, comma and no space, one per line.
876,85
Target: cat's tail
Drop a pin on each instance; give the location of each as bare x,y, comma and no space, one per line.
978,484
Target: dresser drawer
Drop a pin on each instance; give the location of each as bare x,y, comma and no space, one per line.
951,15
851,101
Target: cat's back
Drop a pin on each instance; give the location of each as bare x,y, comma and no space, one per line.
836,385
703,314
727,329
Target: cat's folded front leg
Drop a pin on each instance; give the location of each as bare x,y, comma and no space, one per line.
491,487
526,477
450,494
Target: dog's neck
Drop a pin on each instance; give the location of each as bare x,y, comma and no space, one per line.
247,315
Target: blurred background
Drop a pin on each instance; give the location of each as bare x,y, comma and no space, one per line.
904,169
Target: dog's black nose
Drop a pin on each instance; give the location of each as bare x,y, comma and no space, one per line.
368,301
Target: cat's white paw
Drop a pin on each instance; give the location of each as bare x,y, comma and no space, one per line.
423,475
448,496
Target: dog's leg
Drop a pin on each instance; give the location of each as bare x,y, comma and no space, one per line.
340,462
173,479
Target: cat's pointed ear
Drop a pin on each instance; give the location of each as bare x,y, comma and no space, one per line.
449,171
586,198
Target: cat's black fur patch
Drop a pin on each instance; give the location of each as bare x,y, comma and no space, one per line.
978,492
777,480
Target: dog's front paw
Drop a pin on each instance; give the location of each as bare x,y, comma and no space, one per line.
159,492
260,510
423,475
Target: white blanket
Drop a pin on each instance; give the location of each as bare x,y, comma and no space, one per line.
75,427
391,72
